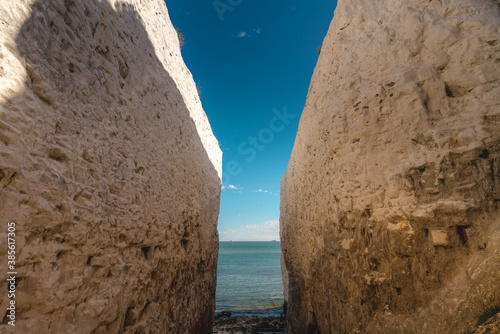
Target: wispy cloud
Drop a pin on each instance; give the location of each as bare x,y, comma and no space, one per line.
232,187
263,191
266,231
244,34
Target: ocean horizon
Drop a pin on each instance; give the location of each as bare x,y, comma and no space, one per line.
249,278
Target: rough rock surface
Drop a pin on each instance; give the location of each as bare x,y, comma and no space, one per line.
389,212
108,167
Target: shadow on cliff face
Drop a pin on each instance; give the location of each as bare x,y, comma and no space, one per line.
114,196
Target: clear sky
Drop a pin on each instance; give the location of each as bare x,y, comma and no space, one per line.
253,61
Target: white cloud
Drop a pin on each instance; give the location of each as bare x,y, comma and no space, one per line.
232,187
244,34
263,191
266,231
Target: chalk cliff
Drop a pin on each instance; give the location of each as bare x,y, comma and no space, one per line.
108,168
389,211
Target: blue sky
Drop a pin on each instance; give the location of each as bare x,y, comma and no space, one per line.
253,61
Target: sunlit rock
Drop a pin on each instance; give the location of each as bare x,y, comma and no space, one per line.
398,150
109,169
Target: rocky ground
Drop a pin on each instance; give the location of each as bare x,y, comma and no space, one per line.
488,322
236,325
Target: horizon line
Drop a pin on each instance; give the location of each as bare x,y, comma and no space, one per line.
267,240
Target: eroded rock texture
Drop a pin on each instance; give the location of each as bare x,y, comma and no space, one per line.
389,213
108,167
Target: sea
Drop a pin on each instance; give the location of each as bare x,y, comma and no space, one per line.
249,279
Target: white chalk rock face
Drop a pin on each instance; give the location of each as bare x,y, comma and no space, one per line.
108,168
389,212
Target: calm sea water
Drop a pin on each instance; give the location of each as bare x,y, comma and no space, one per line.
249,278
